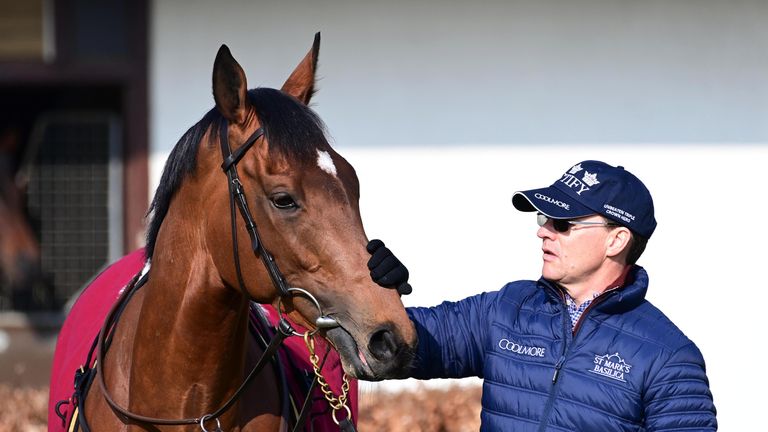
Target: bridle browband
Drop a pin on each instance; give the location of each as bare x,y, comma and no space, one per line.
284,328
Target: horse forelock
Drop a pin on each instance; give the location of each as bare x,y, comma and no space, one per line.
293,131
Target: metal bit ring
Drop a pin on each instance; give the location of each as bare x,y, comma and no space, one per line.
321,322
207,417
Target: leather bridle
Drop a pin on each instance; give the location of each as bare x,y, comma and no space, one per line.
284,328
237,196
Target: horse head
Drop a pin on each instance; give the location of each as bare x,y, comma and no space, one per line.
303,197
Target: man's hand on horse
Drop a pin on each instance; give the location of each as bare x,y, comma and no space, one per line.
386,269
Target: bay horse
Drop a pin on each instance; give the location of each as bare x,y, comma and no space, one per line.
19,248
180,347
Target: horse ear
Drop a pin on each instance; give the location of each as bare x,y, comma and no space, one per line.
301,83
229,86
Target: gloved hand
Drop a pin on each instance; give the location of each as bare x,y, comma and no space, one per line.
386,269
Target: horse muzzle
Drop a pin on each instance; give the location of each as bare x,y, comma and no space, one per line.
376,355
384,355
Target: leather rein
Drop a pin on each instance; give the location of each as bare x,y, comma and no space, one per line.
284,328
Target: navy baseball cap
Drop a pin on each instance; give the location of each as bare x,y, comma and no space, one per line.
594,187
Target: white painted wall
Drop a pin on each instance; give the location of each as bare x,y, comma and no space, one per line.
446,108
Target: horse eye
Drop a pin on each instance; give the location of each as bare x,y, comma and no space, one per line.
283,201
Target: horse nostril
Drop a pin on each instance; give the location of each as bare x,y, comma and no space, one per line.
384,345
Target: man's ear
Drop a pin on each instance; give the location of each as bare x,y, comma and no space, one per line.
618,242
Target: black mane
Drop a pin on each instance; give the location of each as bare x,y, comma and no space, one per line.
291,128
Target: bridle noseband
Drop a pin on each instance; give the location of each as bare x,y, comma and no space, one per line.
284,329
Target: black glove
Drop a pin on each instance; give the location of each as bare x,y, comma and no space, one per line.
386,269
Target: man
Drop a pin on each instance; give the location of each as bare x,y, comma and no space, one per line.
580,349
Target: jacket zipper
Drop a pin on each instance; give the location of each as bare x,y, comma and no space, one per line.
566,333
558,365
576,328
569,337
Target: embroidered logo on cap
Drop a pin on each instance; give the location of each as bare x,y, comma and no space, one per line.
552,201
611,366
574,183
574,169
590,179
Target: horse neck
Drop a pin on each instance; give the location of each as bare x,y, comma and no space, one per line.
191,333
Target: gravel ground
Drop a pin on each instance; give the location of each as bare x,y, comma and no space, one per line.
456,409
23,409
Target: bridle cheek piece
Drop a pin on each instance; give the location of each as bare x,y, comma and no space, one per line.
237,197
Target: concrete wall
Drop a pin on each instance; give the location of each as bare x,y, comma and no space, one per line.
446,108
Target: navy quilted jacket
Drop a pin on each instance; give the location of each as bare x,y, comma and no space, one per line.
627,368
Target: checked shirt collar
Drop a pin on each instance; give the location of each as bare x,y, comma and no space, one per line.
575,311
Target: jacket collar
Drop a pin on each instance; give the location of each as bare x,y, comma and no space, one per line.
617,300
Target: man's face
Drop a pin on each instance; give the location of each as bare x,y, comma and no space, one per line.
572,257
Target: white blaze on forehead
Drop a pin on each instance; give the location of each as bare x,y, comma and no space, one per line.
325,162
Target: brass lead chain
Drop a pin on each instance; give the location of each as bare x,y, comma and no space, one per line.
336,403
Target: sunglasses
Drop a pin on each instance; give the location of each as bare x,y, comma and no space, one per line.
563,225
